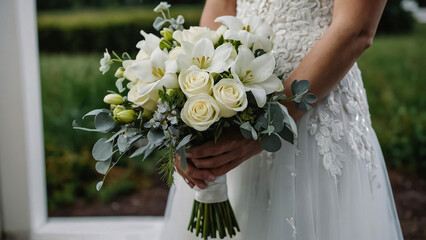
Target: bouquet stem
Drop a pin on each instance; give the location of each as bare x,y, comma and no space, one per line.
212,214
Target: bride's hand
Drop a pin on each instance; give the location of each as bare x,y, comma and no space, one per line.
207,161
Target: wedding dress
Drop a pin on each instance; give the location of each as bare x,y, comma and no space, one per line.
332,184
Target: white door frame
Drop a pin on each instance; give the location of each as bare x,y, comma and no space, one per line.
22,171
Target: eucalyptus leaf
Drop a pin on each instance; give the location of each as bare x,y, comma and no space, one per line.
310,98
122,143
299,87
246,130
75,126
183,160
287,135
246,133
158,23
184,141
104,122
139,151
149,149
99,185
155,137
271,143
96,112
102,150
303,106
289,121
277,117
102,167
116,134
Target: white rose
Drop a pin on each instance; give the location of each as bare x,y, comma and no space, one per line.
200,112
194,34
230,96
194,81
144,95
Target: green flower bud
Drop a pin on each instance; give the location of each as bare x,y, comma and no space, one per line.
167,34
147,114
113,99
119,72
126,116
164,44
117,109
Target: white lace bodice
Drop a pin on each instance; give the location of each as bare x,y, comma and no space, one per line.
297,26
340,121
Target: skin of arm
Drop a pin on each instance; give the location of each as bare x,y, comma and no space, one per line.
351,32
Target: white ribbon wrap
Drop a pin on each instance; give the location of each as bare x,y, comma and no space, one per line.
215,192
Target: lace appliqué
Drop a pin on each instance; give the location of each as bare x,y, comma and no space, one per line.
328,132
360,126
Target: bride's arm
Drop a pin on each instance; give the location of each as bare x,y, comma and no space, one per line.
351,32
214,9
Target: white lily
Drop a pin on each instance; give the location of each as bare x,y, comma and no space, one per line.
204,56
248,31
256,74
156,70
147,46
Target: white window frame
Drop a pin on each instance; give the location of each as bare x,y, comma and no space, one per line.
23,211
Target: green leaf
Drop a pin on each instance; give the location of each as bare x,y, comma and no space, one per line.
149,149
104,122
287,135
277,117
270,143
99,185
102,167
96,112
246,130
158,23
183,160
310,98
102,150
139,152
299,87
184,141
116,134
122,143
289,121
155,137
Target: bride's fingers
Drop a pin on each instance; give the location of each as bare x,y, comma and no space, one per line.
225,144
233,164
187,179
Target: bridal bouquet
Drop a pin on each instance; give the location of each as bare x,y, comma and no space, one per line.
185,88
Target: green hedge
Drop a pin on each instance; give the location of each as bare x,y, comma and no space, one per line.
95,30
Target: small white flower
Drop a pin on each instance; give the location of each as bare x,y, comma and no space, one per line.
162,7
256,74
105,62
204,56
200,112
248,31
231,97
194,81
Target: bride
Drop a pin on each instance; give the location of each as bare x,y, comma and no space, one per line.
332,184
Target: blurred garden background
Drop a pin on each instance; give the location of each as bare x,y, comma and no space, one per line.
73,35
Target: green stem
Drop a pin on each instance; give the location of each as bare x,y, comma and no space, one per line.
197,228
205,221
192,216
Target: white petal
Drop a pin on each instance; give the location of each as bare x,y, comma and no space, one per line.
158,58
230,21
203,48
258,93
244,58
232,34
262,67
247,38
183,61
171,66
272,84
219,63
143,71
169,81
